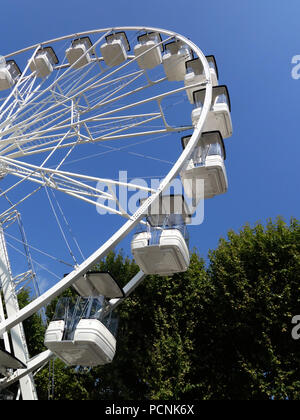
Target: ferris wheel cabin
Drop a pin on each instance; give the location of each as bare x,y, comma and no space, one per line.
195,74
148,51
95,283
161,246
8,362
44,61
207,163
114,51
219,118
82,331
77,54
9,73
174,60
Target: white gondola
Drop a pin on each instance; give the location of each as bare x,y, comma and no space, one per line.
44,61
195,74
8,362
114,51
82,332
95,283
153,57
207,164
78,54
9,73
161,247
219,118
177,54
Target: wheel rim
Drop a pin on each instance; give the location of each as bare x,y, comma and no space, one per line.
40,121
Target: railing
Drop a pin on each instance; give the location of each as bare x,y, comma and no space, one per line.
72,310
174,221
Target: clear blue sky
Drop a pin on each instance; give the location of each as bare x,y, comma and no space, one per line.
254,42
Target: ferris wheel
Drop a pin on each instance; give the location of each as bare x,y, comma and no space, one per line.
75,113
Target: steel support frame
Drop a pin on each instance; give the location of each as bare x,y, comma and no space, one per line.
17,335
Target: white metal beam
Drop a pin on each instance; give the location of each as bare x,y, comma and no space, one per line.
17,333
32,366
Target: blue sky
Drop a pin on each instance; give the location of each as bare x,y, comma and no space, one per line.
253,42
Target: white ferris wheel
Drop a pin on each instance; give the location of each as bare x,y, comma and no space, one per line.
74,111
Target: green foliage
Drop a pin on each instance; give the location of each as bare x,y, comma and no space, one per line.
218,333
33,327
155,340
256,276
62,383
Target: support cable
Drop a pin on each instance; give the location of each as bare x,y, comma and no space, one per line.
60,227
46,254
68,226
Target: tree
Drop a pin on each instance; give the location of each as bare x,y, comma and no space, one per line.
255,275
156,339
216,332
33,327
